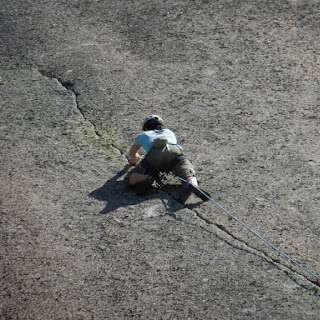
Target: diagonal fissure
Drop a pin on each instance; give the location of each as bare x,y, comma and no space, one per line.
68,85
263,252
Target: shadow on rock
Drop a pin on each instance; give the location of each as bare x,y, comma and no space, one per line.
117,195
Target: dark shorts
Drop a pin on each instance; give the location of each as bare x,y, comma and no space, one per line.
164,160
184,169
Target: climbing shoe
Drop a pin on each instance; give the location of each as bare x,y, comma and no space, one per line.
143,187
184,194
189,188
203,195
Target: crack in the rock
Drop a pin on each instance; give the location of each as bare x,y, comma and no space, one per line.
70,87
225,230
267,256
259,252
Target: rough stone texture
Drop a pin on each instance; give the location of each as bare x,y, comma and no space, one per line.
239,83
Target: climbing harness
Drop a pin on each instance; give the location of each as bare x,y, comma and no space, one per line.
252,231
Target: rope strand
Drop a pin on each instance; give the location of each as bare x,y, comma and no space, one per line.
255,233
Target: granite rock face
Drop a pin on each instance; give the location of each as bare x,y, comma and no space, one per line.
238,83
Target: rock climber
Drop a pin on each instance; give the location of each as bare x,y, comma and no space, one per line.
163,154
